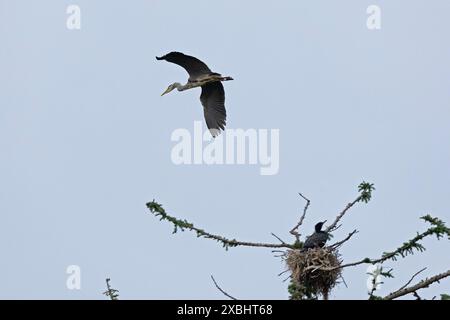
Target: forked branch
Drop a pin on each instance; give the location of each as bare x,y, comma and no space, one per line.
294,230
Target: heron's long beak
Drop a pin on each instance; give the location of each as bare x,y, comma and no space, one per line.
167,91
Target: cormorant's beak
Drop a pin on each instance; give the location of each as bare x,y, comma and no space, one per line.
324,221
167,91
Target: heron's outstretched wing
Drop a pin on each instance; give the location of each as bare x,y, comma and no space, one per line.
213,101
192,65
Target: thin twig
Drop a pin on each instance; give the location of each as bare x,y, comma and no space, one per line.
290,276
283,272
332,227
415,294
340,243
294,231
412,278
422,284
343,280
279,253
374,288
279,239
221,290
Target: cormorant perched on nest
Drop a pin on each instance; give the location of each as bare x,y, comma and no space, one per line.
314,272
317,239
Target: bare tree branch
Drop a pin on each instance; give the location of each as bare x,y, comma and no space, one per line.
340,243
279,239
221,290
365,195
422,284
283,272
412,278
294,231
416,295
332,227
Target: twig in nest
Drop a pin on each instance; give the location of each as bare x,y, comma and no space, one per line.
290,276
283,272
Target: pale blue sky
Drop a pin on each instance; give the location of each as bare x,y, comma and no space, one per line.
85,141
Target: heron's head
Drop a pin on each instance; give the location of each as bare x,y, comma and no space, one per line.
171,87
318,226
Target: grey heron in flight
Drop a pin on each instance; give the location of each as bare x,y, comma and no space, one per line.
213,94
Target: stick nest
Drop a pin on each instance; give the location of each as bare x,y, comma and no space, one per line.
307,271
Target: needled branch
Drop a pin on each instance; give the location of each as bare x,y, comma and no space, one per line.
182,225
315,267
365,189
438,229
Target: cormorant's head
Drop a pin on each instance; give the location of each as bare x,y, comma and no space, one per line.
318,226
171,87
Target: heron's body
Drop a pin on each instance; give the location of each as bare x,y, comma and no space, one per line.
317,239
213,93
200,82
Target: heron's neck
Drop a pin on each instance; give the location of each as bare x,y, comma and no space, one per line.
194,84
178,86
182,87
189,85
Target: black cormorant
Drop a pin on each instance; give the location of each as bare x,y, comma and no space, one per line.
317,239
